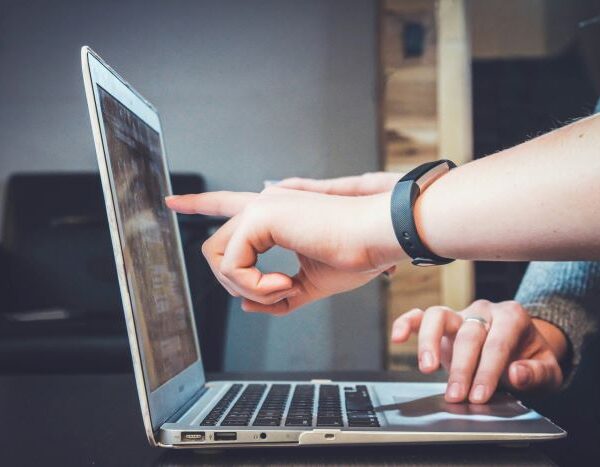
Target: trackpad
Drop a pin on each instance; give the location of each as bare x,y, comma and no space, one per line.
421,406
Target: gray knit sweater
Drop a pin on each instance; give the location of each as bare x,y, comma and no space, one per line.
566,294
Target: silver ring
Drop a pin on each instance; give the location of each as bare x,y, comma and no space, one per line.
479,320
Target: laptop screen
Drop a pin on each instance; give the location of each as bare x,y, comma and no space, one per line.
151,252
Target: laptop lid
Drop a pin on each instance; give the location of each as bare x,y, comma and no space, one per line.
146,242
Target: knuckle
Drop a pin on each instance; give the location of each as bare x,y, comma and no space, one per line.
436,310
226,269
415,313
254,214
497,346
206,248
482,303
513,304
516,313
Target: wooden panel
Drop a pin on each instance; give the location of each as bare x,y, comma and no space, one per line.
455,125
417,93
410,137
409,94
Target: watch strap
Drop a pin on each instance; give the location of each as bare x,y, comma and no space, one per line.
404,196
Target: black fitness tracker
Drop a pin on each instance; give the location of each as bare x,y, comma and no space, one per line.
404,195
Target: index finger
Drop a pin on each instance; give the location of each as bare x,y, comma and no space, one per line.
214,203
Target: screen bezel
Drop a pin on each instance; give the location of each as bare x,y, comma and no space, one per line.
164,401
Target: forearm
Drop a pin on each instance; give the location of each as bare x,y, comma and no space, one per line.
537,201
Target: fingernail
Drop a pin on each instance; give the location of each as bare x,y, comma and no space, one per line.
479,393
454,391
171,196
427,359
523,375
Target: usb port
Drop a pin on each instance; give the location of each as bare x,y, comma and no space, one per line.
225,436
193,436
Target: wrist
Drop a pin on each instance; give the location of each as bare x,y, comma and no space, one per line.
554,336
382,244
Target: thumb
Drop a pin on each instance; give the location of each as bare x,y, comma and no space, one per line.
527,375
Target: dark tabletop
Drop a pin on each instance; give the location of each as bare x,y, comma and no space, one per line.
95,420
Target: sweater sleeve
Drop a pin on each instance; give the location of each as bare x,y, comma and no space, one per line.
566,294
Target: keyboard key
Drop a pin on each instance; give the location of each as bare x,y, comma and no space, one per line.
359,408
300,412
371,424
299,421
266,422
329,412
329,421
271,411
243,409
221,407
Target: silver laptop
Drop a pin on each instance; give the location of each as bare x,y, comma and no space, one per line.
180,408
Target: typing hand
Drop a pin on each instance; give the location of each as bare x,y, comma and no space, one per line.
342,242
521,352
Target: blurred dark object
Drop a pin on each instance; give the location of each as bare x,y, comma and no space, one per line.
516,100
61,307
576,408
414,39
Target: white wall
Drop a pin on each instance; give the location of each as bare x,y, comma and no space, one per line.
248,90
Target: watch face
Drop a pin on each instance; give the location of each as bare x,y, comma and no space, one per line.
432,175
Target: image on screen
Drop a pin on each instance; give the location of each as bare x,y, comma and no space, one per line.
149,243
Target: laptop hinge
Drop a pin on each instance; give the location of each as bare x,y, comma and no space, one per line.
186,406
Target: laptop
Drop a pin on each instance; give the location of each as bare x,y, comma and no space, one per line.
180,408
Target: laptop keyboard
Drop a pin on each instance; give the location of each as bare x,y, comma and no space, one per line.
330,406
243,409
300,412
218,410
359,410
271,410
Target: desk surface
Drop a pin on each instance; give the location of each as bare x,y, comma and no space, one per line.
95,420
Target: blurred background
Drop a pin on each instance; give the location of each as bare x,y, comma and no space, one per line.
255,90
